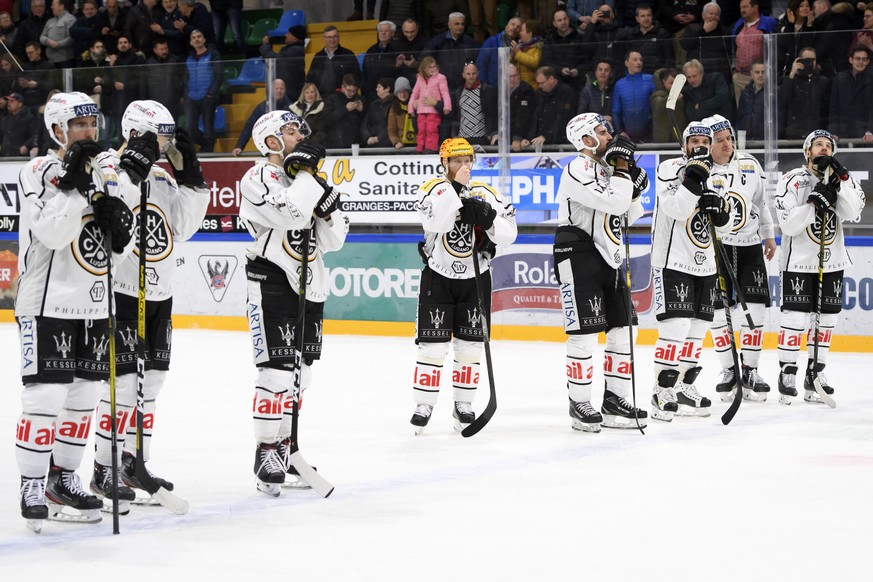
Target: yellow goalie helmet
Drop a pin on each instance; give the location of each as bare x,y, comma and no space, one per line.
453,147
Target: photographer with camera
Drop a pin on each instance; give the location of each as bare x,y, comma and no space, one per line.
803,97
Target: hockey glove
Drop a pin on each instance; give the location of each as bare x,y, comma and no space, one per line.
74,175
823,196
113,216
477,212
697,170
718,208
329,201
639,178
139,156
305,155
620,148
187,170
840,172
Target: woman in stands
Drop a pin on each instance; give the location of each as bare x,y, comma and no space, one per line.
309,107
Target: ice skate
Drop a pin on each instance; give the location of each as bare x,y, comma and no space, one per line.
618,412
726,386
129,478
293,479
33,505
688,399
269,471
68,501
463,414
583,417
754,387
787,380
809,393
663,398
421,417
101,486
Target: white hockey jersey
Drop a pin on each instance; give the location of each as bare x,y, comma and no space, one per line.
801,225
175,213
592,199
742,181
681,238
62,263
449,244
276,209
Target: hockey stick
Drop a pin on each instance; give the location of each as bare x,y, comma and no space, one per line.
304,469
14,60
672,98
160,494
113,424
816,383
630,316
490,408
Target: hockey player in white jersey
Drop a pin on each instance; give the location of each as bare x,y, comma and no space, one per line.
70,200
598,190
803,200
739,177
463,221
684,272
281,196
175,211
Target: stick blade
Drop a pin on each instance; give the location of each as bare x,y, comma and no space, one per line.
825,397
729,414
480,422
321,485
171,501
675,91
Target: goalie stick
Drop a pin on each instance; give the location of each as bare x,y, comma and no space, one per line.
813,373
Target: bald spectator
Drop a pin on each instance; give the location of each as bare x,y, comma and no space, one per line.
554,107
112,23
474,108
282,102
648,38
748,33
709,42
452,49
522,100
59,45
487,62
563,51
379,60
631,100
290,60
331,64
30,28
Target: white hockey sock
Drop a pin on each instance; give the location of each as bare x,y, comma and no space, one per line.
74,423
792,326
288,408
617,365
671,337
692,346
751,340
825,335
721,340
35,431
580,366
428,372
125,401
465,380
154,383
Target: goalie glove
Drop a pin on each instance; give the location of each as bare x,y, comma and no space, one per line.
620,148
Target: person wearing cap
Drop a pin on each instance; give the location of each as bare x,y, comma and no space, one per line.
19,129
290,64
401,129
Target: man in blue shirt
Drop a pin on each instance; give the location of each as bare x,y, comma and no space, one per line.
631,107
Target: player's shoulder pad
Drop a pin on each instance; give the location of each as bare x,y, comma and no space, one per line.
436,186
162,175
796,179
41,164
669,170
582,168
482,189
748,164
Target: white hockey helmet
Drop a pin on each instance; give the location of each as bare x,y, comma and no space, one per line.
586,124
147,115
807,143
719,123
63,107
696,128
271,124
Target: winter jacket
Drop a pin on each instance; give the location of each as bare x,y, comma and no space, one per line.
527,60
314,118
436,86
631,106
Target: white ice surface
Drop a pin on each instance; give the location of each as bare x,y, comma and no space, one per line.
783,493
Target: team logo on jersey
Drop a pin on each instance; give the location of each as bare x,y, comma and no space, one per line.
459,241
437,317
612,228
218,270
740,210
474,317
681,292
101,346
596,305
797,285
697,229
830,232
158,239
293,244
128,337
459,267
287,334
63,344
699,258
88,249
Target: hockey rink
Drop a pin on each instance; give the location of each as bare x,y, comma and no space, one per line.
782,493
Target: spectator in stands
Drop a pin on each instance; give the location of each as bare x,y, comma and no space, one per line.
580,11
438,12
452,49
8,75
374,128
85,30
596,96
290,60
475,109
90,76
195,16
226,12
554,107
599,37
126,80
310,107
803,97
401,129
60,47
429,102
408,45
649,39
705,94
522,100
7,30
795,30
483,19
710,43
748,33
166,27
851,97
282,102
833,36
112,23
19,130
631,103
677,16
30,28
204,76
331,64
563,51
343,114
487,60
142,16
662,124
864,37
399,11
528,50
166,77
750,116
38,77
379,61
